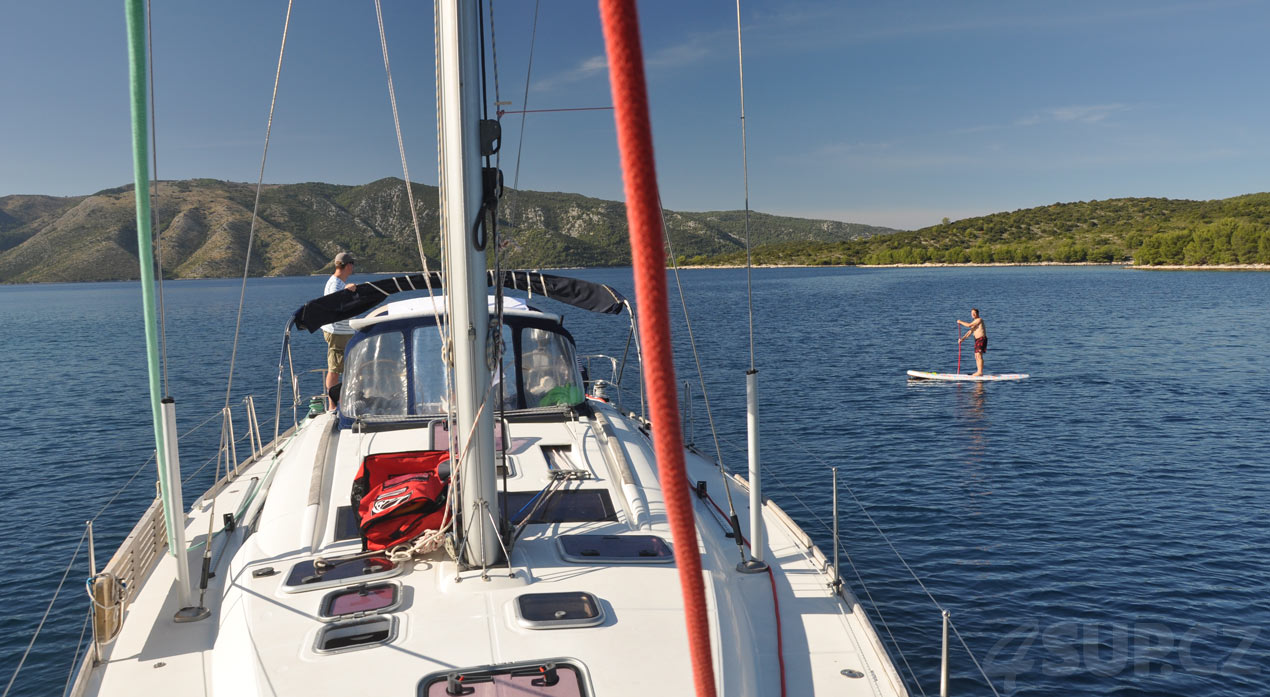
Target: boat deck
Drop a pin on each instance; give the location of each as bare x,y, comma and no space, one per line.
262,636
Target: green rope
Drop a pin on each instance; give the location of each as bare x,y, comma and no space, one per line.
145,250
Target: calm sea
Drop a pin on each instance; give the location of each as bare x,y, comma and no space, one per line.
1101,528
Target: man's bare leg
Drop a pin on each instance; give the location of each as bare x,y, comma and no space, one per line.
978,362
332,379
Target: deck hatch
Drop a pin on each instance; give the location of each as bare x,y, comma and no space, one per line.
351,635
346,524
363,599
303,576
556,678
615,549
558,610
562,506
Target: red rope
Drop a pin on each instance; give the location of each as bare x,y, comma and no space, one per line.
635,143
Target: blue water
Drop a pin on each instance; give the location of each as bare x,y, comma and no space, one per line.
1102,528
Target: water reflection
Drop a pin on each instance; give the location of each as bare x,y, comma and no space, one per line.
971,410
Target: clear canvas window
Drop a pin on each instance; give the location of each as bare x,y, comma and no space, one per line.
548,368
375,377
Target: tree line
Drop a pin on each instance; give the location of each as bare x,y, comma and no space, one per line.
1144,240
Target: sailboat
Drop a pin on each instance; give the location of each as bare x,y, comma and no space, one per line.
544,555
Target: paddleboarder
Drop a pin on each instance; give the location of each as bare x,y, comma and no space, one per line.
975,327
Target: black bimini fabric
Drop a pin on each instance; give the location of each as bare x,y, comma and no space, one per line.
346,304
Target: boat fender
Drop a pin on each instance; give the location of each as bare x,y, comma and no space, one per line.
107,593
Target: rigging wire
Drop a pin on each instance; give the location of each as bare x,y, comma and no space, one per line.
251,235
496,351
49,609
745,169
405,171
154,206
520,144
79,646
887,539
701,378
501,112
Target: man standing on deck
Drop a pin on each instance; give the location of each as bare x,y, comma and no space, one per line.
337,333
975,326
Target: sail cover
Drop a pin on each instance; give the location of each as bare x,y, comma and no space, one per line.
595,297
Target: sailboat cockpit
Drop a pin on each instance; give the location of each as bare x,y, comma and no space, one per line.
394,369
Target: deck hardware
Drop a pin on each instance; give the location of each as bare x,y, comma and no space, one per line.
701,489
852,673
943,666
228,522
549,676
836,584
454,685
261,573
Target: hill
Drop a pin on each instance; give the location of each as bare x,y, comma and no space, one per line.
1146,231
204,225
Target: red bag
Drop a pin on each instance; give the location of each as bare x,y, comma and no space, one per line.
404,496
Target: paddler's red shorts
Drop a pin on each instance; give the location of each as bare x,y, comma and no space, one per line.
981,344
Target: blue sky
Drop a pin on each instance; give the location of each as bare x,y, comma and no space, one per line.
893,114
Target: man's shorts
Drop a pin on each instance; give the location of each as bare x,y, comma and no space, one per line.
335,344
981,344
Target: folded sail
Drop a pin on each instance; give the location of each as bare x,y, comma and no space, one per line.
596,297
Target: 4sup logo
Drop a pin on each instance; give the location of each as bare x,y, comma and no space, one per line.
389,500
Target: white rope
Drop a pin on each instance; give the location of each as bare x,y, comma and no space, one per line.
29,646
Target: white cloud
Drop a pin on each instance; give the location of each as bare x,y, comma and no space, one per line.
695,49
1093,113
588,68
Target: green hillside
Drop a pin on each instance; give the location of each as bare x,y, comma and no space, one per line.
204,226
1145,231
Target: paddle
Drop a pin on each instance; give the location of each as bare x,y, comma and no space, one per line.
958,348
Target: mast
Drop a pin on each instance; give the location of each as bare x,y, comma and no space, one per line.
162,411
459,111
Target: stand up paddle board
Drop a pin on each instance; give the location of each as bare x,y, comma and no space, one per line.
961,377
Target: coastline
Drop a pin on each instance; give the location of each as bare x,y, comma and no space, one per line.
928,265
1215,267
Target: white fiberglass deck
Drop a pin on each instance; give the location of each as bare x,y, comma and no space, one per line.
261,636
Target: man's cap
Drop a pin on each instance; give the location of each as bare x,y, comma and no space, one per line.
344,258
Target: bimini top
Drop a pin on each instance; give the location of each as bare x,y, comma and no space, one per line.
596,297
414,308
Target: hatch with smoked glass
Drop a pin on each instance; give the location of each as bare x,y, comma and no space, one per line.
558,610
364,599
